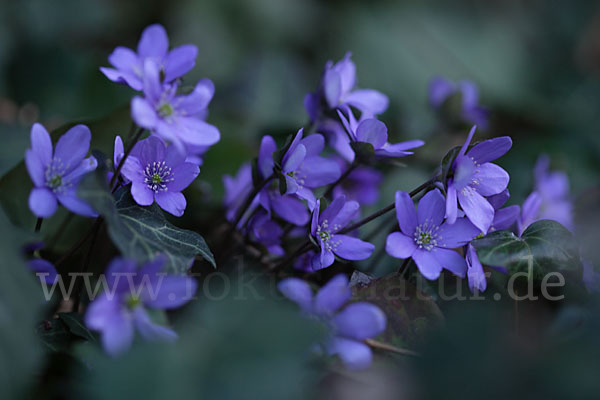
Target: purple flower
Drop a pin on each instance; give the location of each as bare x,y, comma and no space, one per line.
266,232
44,270
153,45
288,207
361,185
553,189
159,173
175,118
121,308
505,217
237,189
529,212
475,274
56,176
348,327
302,166
591,278
474,177
337,89
324,227
441,89
426,238
374,132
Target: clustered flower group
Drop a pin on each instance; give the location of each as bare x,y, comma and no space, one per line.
313,186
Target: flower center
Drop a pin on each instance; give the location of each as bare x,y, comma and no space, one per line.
426,236
157,175
133,301
327,233
55,176
165,110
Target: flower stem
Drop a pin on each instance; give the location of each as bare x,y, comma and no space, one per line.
38,224
125,155
242,210
301,250
388,347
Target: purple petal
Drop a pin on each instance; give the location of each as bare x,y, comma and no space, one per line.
154,42
125,60
184,174
265,156
117,334
490,149
428,264
347,72
498,200
399,245
360,321
351,248
37,170
198,100
319,171
143,113
491,179
44,270
314,221
294,158
332,87
464,172
457,234
529,211
42,202
41,144
332,296
153,88
451,207
174,157
324,259
431,209
505,217
132,169
151,331
477,209
290,209
69,199
298,291
118,151
180,61
451,260
439,90
197,132
141,193
372,131
368,100
355,355
333,209
73,146
314,144
151,150
173,203
464,147
405,213
475,273
118,274
291,184
118,76
470,94
307,194
86,165
169,292
347,213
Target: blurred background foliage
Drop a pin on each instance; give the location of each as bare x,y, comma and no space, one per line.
537,64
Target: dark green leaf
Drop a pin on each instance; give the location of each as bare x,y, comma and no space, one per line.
447,164
365,152
142,232
74,322
545,246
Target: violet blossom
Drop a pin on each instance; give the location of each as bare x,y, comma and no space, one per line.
56,175
178,119
159,173
44,270
349,328
153,45
474,177
426,238
553,189
122,308
325,227
361,185
441,89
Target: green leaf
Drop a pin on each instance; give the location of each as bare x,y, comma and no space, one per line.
20,301
545,246
142,232
74,322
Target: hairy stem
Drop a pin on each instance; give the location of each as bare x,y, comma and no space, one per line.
38,224
388,347
113,181
340,179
